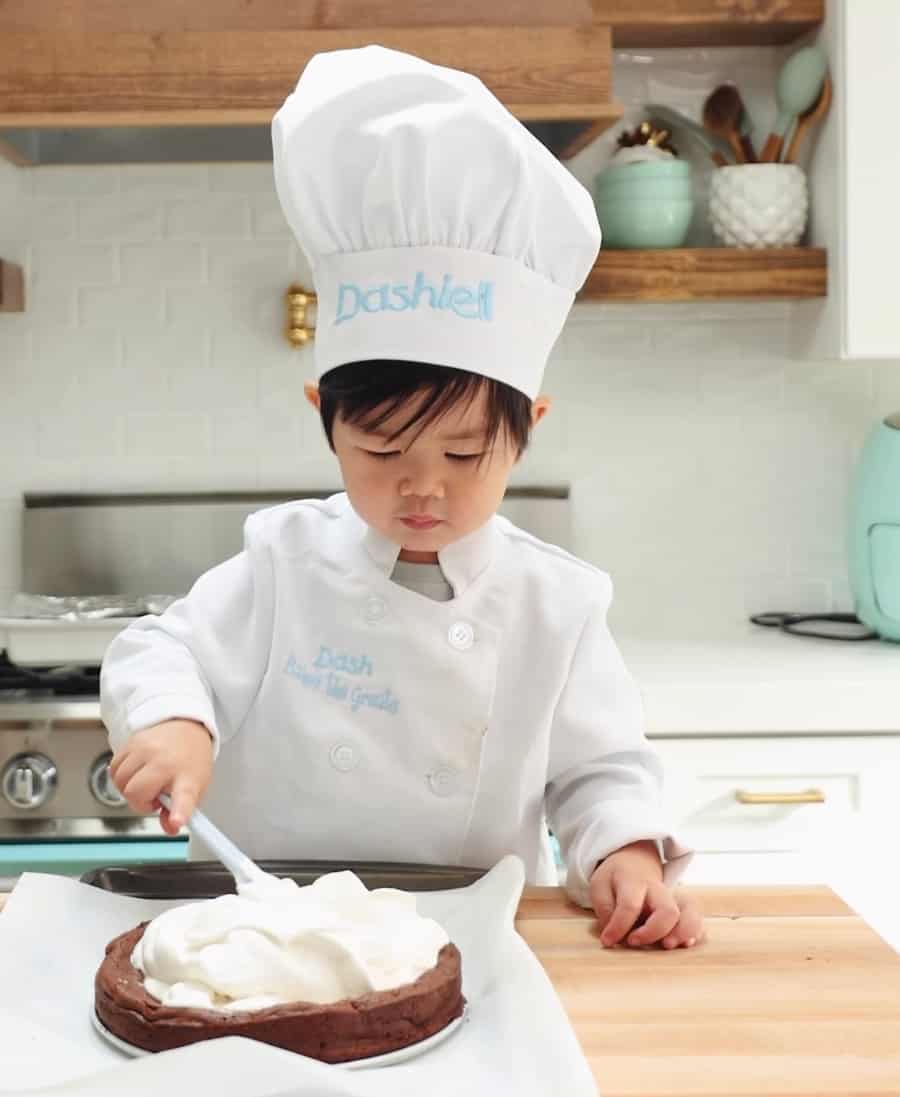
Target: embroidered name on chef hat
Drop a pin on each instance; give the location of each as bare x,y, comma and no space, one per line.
438,229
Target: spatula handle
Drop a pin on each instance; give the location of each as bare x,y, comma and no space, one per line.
771,149
238,864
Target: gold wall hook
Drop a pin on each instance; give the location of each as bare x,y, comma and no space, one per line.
299,300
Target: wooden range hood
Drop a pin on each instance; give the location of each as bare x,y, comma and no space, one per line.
77,65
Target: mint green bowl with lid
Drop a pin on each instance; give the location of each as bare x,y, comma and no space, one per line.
647,169
645,188
649,204
630,221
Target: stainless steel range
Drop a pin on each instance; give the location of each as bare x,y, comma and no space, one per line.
59,811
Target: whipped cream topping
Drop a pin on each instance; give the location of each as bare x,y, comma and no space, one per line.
276,942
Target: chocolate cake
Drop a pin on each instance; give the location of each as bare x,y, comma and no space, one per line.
356,1028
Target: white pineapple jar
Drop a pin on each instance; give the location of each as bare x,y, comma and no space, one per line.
759,205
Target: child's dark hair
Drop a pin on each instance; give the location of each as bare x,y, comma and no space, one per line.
366,394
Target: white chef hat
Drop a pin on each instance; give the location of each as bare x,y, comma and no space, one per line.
437,227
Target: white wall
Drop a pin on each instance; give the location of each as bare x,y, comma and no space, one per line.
710,468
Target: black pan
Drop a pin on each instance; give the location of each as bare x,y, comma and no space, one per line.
207,879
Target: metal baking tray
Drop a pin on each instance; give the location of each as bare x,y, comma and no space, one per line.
207,879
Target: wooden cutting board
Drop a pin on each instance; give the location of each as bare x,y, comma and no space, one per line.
792,995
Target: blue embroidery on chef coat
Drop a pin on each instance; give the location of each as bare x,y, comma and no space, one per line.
326,675
469,303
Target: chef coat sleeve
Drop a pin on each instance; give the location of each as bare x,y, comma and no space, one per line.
203,659
604,778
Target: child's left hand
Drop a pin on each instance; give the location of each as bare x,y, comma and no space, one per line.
635,907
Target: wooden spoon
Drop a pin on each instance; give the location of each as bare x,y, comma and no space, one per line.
725,116
806,120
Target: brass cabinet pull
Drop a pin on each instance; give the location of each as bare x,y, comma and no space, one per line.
299,299
811,796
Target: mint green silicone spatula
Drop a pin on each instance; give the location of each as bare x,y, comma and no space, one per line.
799,85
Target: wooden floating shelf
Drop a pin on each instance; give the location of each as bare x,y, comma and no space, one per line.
707,274
662,23
12,287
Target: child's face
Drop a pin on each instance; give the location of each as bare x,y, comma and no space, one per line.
425,492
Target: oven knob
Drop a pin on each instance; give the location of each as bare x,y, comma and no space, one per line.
28,781
101,783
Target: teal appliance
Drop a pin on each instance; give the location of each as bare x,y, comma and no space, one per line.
874,546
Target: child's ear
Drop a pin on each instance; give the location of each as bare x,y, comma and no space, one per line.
311,392
539,408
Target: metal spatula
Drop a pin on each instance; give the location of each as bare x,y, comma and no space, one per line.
238,864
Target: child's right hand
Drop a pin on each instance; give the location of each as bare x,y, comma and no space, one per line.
176,757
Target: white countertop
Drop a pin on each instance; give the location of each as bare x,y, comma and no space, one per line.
752,679
744,680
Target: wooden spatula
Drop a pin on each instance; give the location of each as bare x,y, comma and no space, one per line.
807,120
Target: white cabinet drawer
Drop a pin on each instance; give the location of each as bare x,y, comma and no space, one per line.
768,794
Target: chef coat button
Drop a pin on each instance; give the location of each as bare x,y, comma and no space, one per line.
375,608
443,782
343,758
461,635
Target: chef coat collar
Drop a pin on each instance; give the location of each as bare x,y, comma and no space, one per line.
461,561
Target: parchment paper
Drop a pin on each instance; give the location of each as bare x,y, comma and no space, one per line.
53,932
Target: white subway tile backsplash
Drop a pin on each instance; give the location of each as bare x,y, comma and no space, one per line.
34,471
210,308
245,179
75,431
217,387
315,470
52,304
170,350
73,264
256,263
183,433
256,348
137,387
164,181
121,307
216,216
37,389
213,472
166,263
15,349
89,181
290,431
120,217
60,353
18,430
266,216
40,219
236,433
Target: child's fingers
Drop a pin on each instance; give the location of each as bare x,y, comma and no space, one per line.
629,905
184,796
689,931
142,788
603,898
123,766
663,918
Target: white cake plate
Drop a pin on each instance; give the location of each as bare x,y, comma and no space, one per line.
412,1051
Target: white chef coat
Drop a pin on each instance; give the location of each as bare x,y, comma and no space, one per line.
356,719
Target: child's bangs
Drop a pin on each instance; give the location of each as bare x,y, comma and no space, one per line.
427,403
372,394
